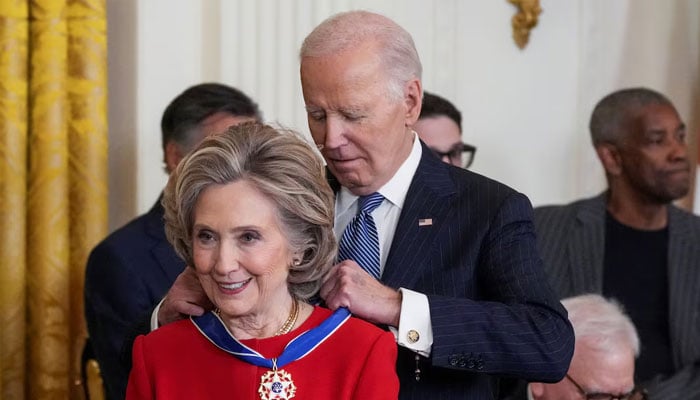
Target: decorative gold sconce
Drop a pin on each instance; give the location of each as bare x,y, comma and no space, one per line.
524,20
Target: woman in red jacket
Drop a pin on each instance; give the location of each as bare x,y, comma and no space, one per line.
251,212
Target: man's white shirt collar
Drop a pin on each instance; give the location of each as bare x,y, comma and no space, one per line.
395,190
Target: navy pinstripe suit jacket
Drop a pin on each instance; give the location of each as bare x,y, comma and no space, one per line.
571,239
492,311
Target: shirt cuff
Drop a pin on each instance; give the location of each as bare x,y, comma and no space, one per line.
154,316
415,328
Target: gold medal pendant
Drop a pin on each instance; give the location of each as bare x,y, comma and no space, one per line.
276,385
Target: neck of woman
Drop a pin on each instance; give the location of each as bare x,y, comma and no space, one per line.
278,320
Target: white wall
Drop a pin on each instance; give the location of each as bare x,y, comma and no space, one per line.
527,111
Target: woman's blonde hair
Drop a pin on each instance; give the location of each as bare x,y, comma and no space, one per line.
282,166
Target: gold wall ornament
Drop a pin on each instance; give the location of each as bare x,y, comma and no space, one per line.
524,20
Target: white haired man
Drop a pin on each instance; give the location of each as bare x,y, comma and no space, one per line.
606,347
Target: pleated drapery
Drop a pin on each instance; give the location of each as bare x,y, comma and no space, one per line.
53,187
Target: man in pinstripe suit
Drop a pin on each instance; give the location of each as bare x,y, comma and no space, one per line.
631,242
461,283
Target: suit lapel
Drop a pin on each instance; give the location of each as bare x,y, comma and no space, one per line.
683,282
586,247
425,210
162,251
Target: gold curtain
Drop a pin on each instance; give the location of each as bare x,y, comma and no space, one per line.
53,187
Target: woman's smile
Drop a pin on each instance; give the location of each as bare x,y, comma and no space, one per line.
236,287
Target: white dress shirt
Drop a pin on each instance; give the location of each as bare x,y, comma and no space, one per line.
415,311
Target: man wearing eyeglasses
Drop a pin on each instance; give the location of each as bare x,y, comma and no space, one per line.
604,355
440,127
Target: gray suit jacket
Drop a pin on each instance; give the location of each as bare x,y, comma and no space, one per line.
571,241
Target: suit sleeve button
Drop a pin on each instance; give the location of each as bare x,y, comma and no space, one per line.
452,360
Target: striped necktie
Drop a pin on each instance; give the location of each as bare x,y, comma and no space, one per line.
360,241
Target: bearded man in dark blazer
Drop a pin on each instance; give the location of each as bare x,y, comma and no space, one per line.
631,242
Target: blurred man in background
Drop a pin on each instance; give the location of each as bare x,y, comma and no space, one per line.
128,273
440,127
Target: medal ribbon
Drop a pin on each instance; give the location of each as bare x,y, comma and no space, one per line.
214,329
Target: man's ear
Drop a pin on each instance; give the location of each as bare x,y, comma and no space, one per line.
172,156
413,100
609,156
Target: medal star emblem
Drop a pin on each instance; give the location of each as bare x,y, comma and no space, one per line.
276,385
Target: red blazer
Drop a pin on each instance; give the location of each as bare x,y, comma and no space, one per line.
178,362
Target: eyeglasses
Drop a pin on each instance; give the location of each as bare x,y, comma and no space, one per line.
635,394
455,154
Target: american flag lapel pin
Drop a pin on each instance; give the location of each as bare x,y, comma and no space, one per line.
425,221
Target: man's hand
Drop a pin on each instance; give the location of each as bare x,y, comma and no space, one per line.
186,297
348,285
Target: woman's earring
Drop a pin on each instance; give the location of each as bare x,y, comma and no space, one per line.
296,262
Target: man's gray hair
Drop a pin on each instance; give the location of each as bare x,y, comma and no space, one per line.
612,113
601,322
348,30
